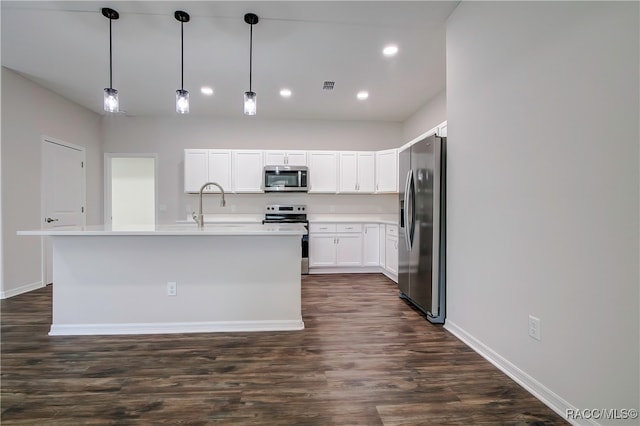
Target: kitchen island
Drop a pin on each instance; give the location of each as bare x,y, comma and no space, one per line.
175,278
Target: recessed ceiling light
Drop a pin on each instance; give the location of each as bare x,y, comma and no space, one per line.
362,95
390,50
285,93
206,90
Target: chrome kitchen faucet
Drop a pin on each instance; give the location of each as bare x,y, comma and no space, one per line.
199,218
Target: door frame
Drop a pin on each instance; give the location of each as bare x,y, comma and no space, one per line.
43,202
108,156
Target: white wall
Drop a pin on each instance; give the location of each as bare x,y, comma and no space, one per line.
30,112
169,137
543,207
426,118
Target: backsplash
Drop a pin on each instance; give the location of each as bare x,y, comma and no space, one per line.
316,203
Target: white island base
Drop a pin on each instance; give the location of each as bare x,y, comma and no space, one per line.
117,283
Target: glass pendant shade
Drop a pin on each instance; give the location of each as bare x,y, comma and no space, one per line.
111,103
250,103
182,101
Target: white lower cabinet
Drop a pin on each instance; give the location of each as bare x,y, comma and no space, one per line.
371,245
332,244
353,247
322,250
391,249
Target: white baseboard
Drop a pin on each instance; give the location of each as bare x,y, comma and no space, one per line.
352,270
179,327
537,389
19,290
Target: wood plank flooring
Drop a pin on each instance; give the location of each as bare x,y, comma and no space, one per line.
365,358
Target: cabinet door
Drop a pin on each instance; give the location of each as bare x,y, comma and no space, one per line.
391,254
442,130
274,158
348,172
387,171
296,158
349,249
323,171
196,166
366,172
371,245
219,169
382,237
322,250
247,171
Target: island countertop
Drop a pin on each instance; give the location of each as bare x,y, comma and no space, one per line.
221,229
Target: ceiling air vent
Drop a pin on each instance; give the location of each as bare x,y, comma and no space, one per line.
328,85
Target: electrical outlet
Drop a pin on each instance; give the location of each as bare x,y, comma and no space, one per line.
172,288
534,327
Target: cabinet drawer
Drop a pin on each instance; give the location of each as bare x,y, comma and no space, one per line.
349,227
322,227
392,230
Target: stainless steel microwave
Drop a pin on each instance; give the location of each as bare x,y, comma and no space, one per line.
285,178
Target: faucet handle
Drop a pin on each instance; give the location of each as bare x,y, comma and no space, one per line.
194,216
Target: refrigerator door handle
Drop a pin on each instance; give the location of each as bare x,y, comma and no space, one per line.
408,206
412,211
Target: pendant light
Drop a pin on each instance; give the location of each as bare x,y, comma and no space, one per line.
182,96
250,96
110,94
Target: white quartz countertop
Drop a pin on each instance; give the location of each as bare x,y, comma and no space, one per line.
222,229
390,219
227,218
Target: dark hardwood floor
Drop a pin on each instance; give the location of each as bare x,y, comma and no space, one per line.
364,358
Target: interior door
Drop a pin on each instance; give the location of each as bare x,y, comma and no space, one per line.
63,192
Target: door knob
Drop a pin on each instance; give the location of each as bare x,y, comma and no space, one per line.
49,220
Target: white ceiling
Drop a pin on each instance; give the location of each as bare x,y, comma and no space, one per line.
64,46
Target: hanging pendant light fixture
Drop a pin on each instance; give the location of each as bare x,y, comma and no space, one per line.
182,96
111,103
250,96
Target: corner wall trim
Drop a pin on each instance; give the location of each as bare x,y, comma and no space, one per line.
22,289
174,327
534,387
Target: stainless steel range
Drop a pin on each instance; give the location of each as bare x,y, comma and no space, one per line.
279,213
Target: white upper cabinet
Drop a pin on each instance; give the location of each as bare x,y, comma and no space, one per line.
442,130
207,165
366,172
323,171
247,167
357,172
286,158
196,169
220,169
387,171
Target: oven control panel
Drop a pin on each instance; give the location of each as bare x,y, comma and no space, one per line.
280,208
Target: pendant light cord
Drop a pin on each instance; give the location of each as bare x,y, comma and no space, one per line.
250,56
110,58
182,55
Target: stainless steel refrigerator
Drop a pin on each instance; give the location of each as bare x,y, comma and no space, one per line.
422,239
